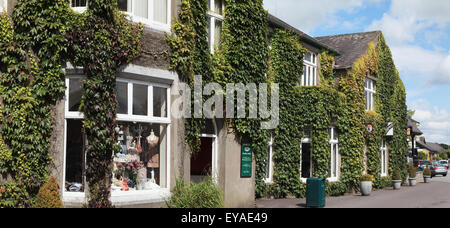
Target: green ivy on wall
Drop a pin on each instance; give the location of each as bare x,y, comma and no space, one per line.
32,51
33,48
101,45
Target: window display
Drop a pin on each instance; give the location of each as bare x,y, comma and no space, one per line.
138,165
141,130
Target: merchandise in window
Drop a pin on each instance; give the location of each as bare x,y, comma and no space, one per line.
216,9
141,130
138,165
309,77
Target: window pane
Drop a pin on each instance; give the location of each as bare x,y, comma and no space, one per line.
122,97
123,5
308,57
140,100
306,160
142,159
75,93
217,33
218,7
79,3
159,102
75,157
160,11
141,8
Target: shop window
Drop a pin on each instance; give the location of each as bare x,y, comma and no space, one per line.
141,163
334,143
75,156
215,13
370,90
383,158
309,77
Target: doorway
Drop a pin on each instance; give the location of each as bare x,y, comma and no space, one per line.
204,162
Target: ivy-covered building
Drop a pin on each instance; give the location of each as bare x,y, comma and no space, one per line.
101,89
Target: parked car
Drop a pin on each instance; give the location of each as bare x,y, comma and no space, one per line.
422,164
438,169
444,163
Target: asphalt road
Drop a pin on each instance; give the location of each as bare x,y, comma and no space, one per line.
433,195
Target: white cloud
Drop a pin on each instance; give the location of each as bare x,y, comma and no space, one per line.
434,122
307,15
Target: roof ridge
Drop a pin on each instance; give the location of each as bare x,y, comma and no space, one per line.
349,34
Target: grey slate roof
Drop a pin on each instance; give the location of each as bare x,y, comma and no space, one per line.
350,46
305,37
414,129
432,147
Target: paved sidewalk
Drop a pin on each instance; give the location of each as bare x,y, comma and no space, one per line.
432,195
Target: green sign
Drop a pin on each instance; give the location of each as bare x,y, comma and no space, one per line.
246,160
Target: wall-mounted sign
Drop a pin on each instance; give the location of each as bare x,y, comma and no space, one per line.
246,160
369,129
390,129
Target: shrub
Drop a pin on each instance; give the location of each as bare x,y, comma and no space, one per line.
412,171
427,171
13,195
48,196
366,177
397,175
202,195
336,189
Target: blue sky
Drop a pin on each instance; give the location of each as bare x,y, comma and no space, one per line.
418,33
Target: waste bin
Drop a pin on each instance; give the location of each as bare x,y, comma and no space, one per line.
315,192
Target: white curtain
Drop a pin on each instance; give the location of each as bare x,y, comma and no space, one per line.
160,11
141,8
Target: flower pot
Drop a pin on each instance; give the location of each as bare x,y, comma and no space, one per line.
412,181
427,179
366,188
396,184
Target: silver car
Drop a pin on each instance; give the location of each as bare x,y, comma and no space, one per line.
444,163
438,169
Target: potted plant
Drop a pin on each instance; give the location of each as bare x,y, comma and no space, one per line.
396,179
366,184
412,175
427,175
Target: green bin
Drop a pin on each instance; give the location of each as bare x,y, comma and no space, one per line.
315,192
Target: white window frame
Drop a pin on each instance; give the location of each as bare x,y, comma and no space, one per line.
149,23
309,76
124,198
334,168
371,89
305,140
79,9
4,6
213,17
269,176
383,159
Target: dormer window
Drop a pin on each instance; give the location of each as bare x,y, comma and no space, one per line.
215,13
370,89
309,77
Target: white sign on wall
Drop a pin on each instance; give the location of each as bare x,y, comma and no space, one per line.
390,129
